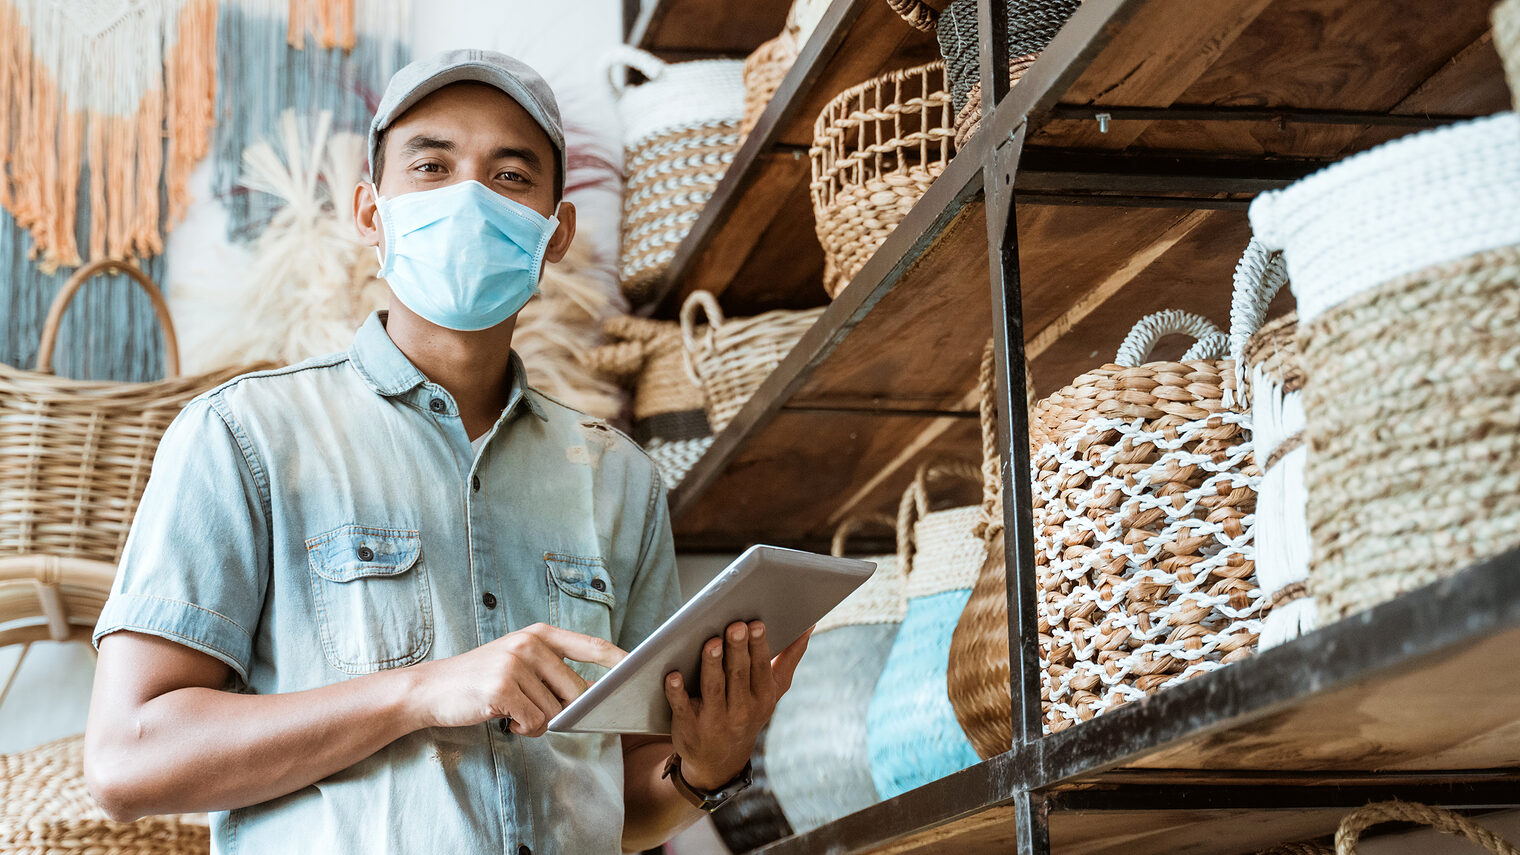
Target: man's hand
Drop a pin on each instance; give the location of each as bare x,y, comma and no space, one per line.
521,675
740,684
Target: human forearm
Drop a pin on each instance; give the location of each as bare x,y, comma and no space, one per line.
653,810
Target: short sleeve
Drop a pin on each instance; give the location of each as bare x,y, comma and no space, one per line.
656,590
196,563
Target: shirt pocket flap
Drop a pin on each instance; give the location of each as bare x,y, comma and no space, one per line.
355,551
584,578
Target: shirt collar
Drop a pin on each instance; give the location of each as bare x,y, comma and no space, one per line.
388,372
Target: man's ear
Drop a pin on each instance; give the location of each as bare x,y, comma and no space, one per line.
563,236
367,215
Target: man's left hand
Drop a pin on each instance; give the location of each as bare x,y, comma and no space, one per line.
740,684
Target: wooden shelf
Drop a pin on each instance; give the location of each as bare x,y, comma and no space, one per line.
692,28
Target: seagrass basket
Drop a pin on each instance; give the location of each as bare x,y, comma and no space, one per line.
816,751
876,149
911,730
1269,379
1031,26
730,358
46,809
763,72
1404,262
669,411
920,14
1144,491
680,133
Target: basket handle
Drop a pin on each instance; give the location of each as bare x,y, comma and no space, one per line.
623,57
71,287
918,14
854,524
915,501
708,304
1259,275
992,469
1137,346
1440,819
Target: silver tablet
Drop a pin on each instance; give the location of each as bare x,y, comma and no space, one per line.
788,589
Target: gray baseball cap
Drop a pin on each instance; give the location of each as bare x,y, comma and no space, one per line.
512,76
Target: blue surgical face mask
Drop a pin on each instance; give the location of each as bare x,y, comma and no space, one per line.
462,256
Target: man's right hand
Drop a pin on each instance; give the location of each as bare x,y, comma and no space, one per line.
521,675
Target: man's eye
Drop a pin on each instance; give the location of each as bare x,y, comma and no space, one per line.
509,175
428,167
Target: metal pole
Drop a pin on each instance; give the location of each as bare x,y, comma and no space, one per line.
992,26
1032,814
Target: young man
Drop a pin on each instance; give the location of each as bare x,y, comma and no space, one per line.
344,612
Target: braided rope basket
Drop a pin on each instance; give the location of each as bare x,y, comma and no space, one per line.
46,809
680,132
1144,494
730,358
911,729
1352,825
1269,380
921,15
1031,26
876,149
817,750
1405,264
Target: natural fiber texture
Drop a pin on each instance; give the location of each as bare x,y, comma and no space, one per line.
1031,26
968,117
753,818
920,14
1449,822
89,95
46,809
1507,41
75,455
1143,500
649,357
676,457
763,72
1413,412
883,598
49,598
731,358
876,149
330,22
1298,849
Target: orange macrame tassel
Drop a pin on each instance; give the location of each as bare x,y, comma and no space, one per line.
330,22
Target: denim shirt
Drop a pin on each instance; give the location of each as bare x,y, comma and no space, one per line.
329,519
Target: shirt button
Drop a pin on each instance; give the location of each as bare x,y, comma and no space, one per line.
475,483
489,599
524,850
366,554
599,584
437,405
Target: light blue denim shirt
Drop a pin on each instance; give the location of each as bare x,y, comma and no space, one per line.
329,519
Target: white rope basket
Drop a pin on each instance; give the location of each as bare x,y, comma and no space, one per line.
677,95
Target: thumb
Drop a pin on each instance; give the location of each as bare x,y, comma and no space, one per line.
784,665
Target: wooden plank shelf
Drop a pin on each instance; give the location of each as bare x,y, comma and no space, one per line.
691,28
1413,698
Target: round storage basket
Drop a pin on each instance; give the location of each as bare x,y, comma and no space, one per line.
1144,491
763,72
680,132
1405,264
669,412
1269,380
911,730
817,753
876,149
920,14
46,809
730,358
753,818
1031,26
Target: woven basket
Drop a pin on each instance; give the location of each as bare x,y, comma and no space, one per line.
680,133
1450,822
669,412
75,455
1144,491
731,358
1507,42
1269,378
817,752
46,809
763,72
911,729
753,818
1031,26
1404,261
920,14
876,149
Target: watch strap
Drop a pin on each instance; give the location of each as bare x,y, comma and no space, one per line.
707,800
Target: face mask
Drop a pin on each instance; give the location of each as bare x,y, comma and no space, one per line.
461,256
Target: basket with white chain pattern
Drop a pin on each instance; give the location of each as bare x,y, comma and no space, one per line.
1144,496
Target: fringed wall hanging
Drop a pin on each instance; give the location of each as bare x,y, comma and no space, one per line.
298,55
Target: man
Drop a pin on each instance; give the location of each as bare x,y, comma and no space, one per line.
344,611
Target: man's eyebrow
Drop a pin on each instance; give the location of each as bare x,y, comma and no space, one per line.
526,155
421,143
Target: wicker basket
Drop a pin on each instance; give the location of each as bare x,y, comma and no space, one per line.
1507,42
731,358
669,412
680,133
45,809
876,149
763,72
817,753
75,455
753,818
911,729
1269,378
1031,26
920,14
1404,261
1144,491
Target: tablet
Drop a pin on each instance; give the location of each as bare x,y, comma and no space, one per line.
788,589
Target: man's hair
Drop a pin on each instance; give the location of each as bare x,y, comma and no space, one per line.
378,166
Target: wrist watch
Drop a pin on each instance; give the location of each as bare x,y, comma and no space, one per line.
707,800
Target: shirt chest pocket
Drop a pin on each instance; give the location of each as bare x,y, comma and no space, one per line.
581,598
370,588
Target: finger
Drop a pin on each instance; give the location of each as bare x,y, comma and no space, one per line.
544,701
561,679
784,666
736,664
581,648
683,715
711,678
760,680
525,715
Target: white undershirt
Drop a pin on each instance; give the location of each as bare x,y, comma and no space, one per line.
479,443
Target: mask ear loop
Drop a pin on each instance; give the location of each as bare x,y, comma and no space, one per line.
543,245
380,212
